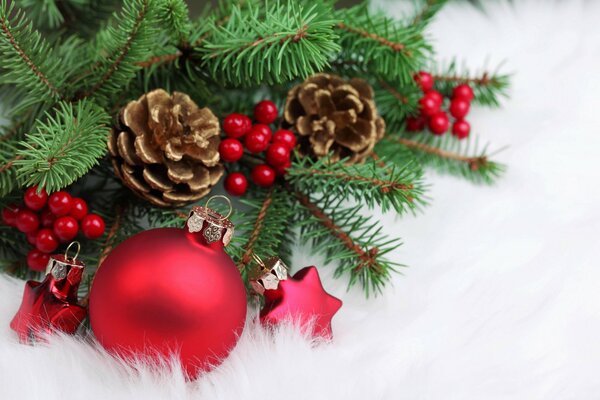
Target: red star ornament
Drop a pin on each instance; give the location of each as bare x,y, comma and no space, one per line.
302,299
51,304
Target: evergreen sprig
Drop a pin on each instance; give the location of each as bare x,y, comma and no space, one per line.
285,40
177,16
66,145
395,102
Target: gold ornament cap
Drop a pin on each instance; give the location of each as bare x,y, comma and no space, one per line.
213,225
268,274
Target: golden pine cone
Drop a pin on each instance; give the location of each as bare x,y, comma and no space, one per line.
334,116
166,149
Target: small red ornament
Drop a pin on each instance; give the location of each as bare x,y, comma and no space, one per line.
415,124
34,200
31,237
436,96
51,304
172,291
263,175
278,154
439,123
47,218
461,129
425,80
60,203
65,228
429,105
92,226
300,298
236,125
285,136
463,91
236,184
79,209
36,260
256,141
46,241
265,130
231,150
265,112
27,221
281,170
459,107
9,215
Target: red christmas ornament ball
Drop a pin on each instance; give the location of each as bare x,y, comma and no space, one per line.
265,112
439,123
65,228
459,107
46,241
256,141
79,209
236,125
463,91
231,150
166,291
27,221
92,226
278,154
425,80
285,136
461,129
263,175
34,200
236,184
37,261
60,203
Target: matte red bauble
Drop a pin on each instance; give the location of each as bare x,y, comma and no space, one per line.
171,291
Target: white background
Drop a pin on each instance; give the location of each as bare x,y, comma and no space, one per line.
501,300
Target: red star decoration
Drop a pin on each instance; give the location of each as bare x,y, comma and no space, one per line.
48,305
303,299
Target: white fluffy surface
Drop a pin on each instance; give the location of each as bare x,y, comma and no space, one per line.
501,300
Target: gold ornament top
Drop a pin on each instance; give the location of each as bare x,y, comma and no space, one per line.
268,274
213,225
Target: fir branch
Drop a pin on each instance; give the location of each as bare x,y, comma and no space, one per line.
176,15
428,11
395,102
64,146
286,40
372,182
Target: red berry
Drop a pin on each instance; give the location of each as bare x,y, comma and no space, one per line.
92,226
286,137
277,154
47,218
37,261
437,96
79,209
9,214
265,129
65,228
236,184
461,129
415,124
463,91
236,125
60,203
34,200
459,107
231,150
265,112
429,105
281,170
31,237
27,221
425,80
46,241
263,175
438,123
256,141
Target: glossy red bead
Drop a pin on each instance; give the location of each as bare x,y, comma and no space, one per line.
46,241
231,150
60,203
265,112
47,218
439,123
37,261
236,184
31,237
92,226
79,208
277,154
429,105
264,129
236,125
425,80
9,214
463,91
27,221
415,124
263,175
461,129
65,228
285,136
281,170
459,107
256,141
34,200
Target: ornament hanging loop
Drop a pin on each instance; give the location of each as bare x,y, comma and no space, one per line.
258,260
74,243
220,196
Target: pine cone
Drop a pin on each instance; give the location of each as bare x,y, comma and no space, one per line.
166,149
334,116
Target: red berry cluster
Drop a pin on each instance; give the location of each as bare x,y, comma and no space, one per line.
432,115
257,138
48,221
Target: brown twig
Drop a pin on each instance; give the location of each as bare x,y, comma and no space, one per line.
384,186
256,230
9,164
474,162
392,45
159,59
483,80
